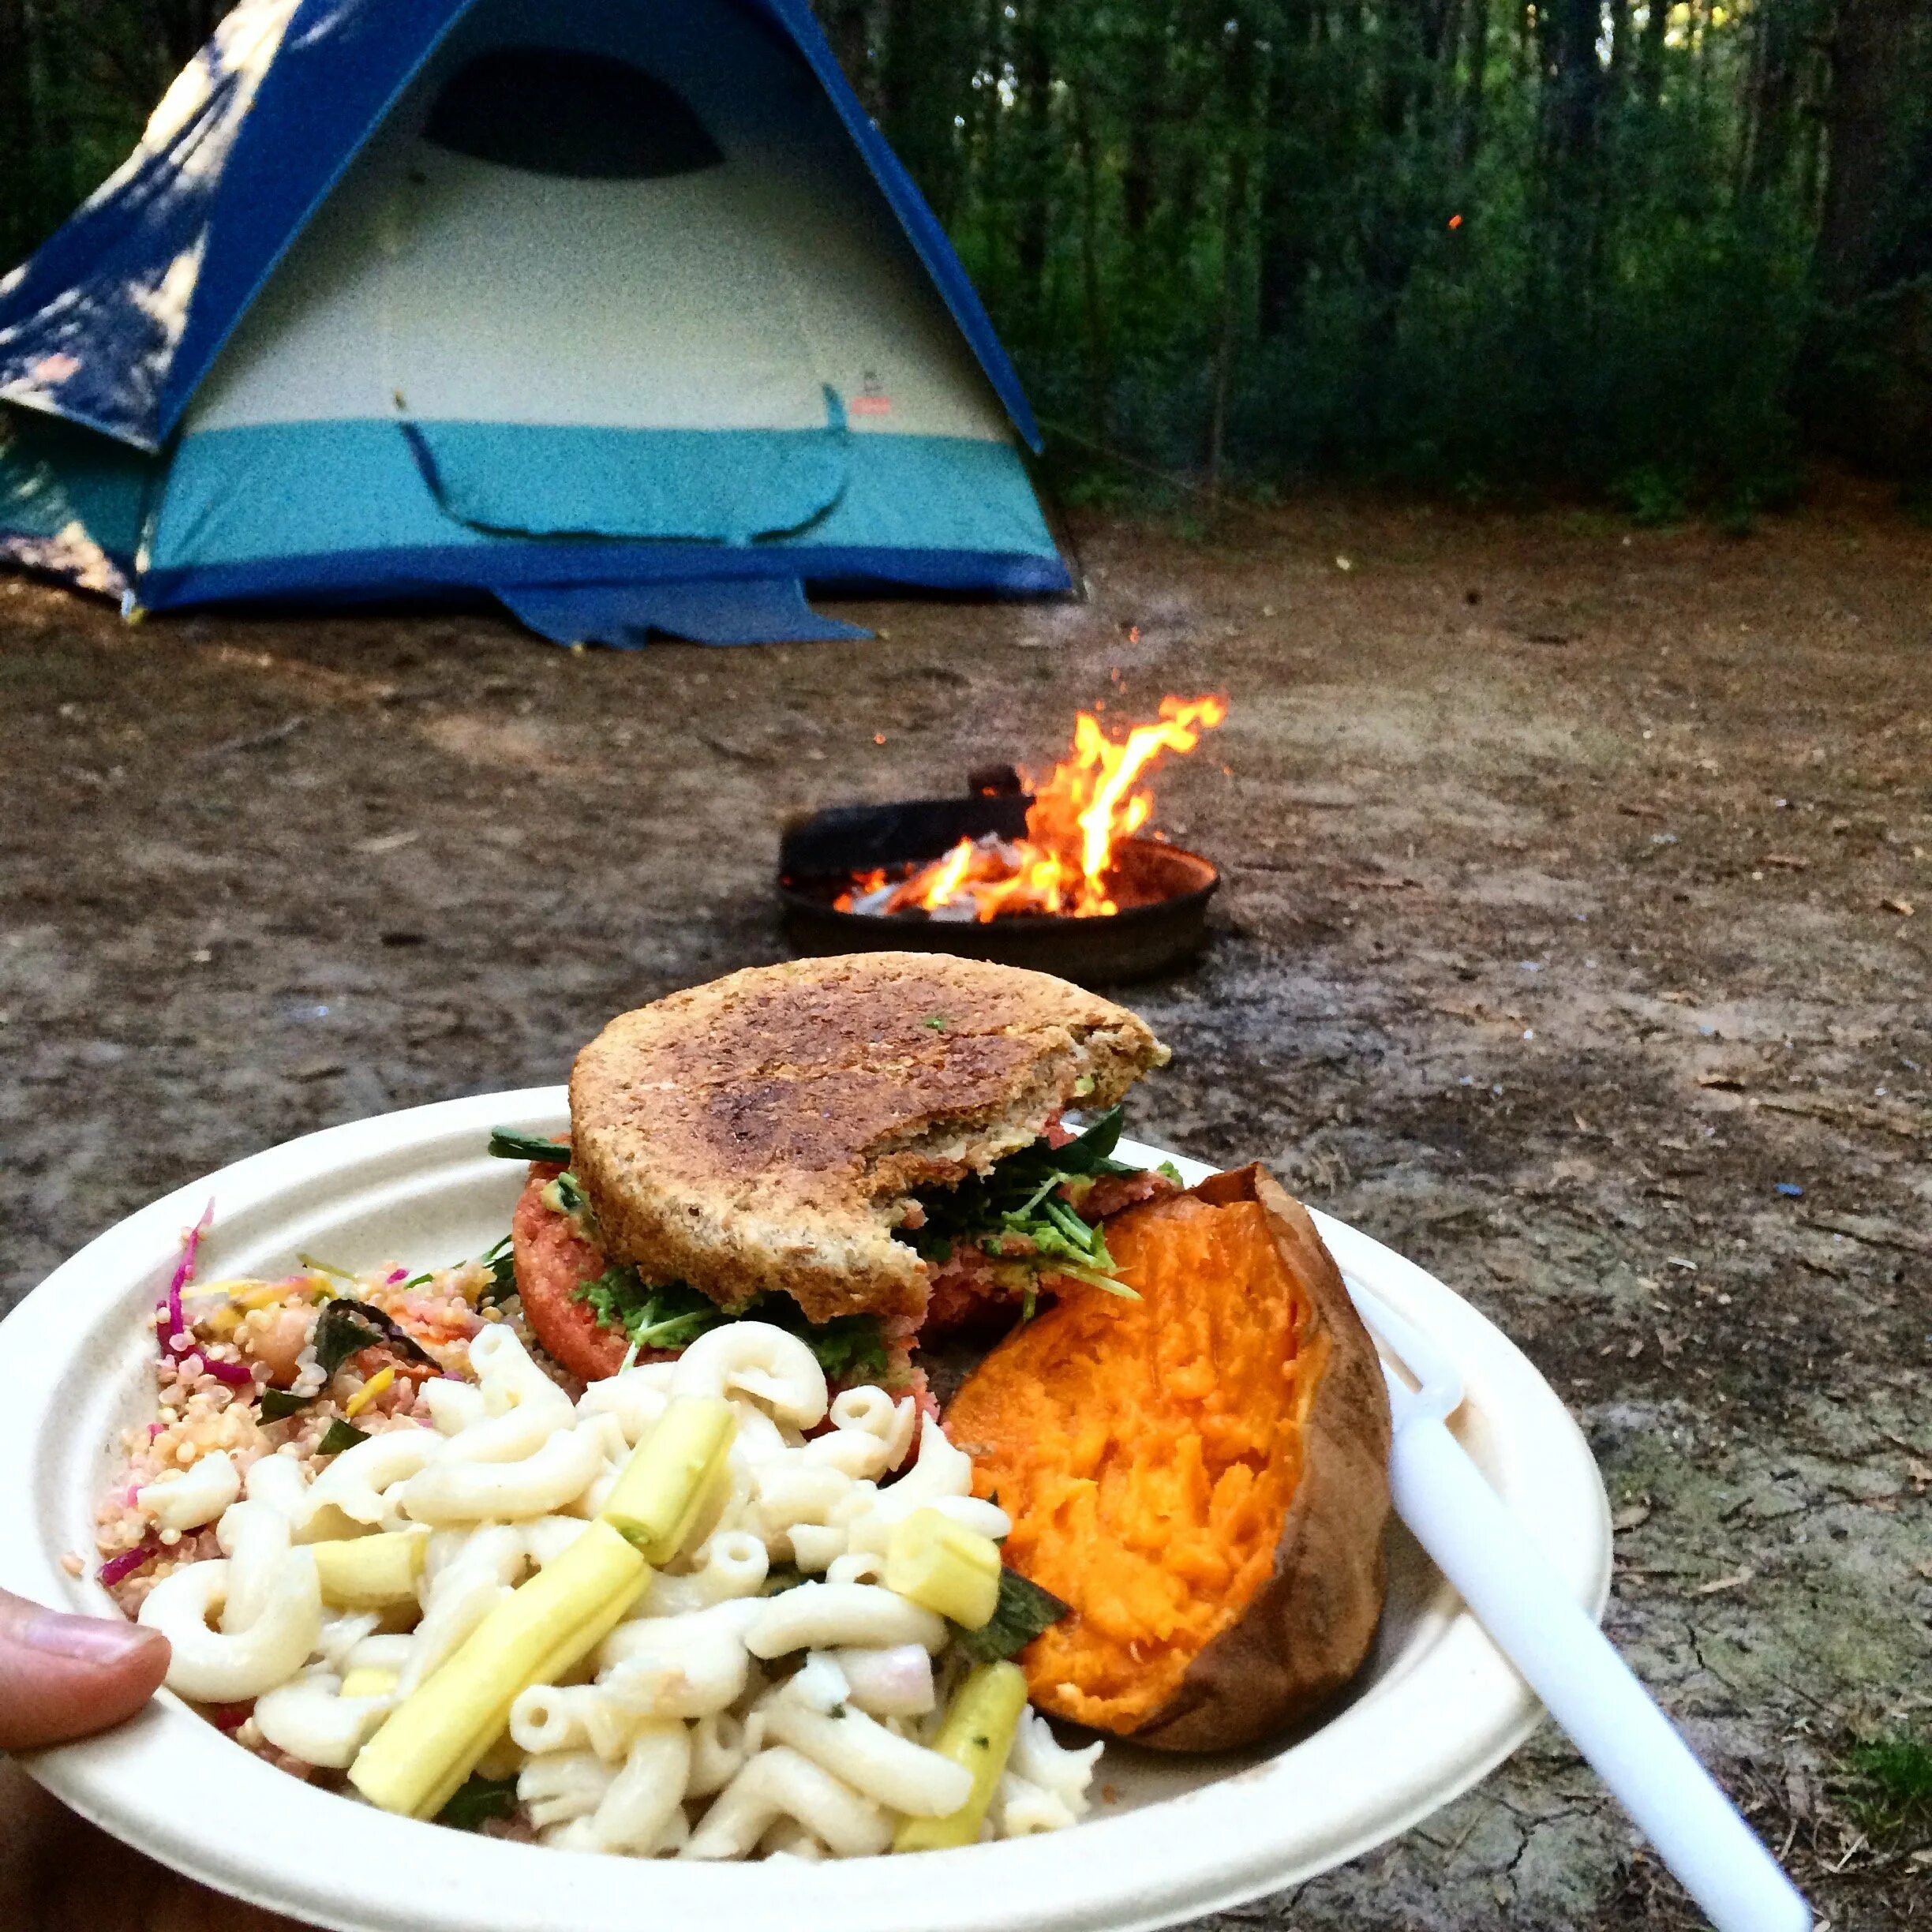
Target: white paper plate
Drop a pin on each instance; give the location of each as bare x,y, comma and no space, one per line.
1436,1708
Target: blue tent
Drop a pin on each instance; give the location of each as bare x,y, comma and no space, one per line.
624,314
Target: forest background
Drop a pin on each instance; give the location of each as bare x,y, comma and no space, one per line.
1668,255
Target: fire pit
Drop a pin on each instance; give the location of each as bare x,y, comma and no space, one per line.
1060,878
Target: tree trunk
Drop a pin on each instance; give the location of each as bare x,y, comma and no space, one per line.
52,71
1573,83
1099,371
185,27
1146,113
850,33
1768,110
1282,243
19,169
1650,58
1033,67
1877,70
1475,61
919,84
1240,86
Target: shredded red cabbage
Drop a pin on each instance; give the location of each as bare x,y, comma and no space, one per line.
230,1716
117,1568
235,1374
170,1310
170,1321
389,1280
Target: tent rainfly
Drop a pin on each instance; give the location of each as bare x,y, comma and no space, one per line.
622,313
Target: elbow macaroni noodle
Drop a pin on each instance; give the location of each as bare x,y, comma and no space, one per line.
716,1721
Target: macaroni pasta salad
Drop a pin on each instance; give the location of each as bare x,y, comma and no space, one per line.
708,1609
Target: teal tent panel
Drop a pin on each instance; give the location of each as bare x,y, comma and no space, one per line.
722,486
306,489
908,492
71,500
299,489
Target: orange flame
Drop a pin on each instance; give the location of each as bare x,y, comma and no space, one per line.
1081,811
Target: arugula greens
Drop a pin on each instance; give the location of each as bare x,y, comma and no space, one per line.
1022,1612
1021,1196
338,1436
477,1800
510,1143
850,1348
346,1326
503,1283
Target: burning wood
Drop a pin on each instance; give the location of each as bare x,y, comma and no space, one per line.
1069,863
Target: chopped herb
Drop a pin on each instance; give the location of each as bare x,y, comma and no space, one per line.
477,1800
567,1193
345,1326
416,1281
502,1281
850,1348
1022,1612
510,1143
277,1405
938,1022
1172,1172
340,1436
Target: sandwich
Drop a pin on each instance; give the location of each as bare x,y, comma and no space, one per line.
867,1150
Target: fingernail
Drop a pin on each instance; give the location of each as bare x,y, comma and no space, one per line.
86,1640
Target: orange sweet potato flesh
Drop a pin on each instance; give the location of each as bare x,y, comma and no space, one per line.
1202,1474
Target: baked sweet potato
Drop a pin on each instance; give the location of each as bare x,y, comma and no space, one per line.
1202,1474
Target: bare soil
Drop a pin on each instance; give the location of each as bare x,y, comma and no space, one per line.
1574,941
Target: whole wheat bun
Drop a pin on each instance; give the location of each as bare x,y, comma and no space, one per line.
762,1132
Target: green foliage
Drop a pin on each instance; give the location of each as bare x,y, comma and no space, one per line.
1288,238
1594,246
1891,1784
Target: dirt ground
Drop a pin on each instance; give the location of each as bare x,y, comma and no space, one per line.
1574,941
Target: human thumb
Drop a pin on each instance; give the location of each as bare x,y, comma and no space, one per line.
62,1677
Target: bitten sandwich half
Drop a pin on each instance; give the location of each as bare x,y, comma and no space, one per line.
840,1144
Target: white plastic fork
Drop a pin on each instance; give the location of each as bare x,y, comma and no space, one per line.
1518,1598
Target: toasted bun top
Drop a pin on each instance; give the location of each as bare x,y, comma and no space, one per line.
761,1132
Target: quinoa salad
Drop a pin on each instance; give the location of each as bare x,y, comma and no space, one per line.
681,1583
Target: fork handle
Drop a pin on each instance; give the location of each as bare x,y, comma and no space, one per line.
1520,1601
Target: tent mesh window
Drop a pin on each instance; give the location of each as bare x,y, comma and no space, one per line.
549,111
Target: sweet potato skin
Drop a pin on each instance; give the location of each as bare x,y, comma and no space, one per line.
1073,1414
1308,1629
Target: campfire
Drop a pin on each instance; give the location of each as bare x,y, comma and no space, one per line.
1063,874
1067,865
